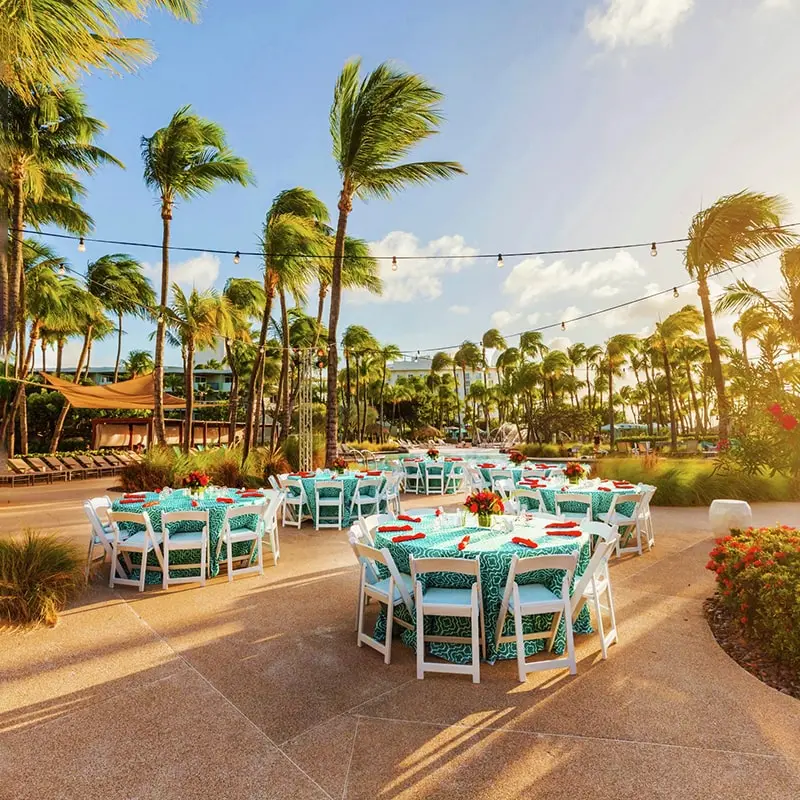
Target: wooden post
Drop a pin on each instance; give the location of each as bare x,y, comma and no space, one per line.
205,435
130,436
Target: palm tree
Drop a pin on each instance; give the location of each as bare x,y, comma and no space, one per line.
375,123
439,363
667,334
554,365
357,342
737,228
616,350
119,283
468,356
592,358
138,362
577,356
194,323
531,344
492,340
187,158
387,353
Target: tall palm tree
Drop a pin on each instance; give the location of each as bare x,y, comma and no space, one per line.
194,323
531,344
375,122
667,334
591,358
491,340
187,158
617,348
577,356
386,354
357,343
441,362
737,228
138,362
554,365
293,232
119,283
468,356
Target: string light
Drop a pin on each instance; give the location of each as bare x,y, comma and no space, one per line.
499,261
62,270
81,245
675,292
563,326
394,263
236,256
653,250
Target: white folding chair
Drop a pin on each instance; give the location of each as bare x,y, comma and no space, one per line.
631,526
185,540
475,480
393,591
390,493
274,498
455,480
566,498
535,503
251,532
273,482
529,599
143,542
295,502
498,475
412,477
101,532
596,582
367,495
445,602
366,526
648,492
434,478
334,501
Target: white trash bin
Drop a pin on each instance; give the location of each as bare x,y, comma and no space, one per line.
724,515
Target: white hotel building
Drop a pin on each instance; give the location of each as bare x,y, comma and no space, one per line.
420,367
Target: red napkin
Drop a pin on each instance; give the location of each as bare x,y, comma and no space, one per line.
359,475
563,533
406,518
394,528
524,542
438,512
128,500
568,524
409,538
302,475
486,466
603,489
224,499
542,466
463,543
134,496
623,485
150,504
376,472
195,504
454,458
251,494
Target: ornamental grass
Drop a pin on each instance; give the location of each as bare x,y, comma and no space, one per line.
758,580
39,573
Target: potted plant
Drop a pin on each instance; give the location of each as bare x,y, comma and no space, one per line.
516,458
339,464
433,453
573,471
196,481
485,504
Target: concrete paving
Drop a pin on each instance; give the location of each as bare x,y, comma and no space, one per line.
256,689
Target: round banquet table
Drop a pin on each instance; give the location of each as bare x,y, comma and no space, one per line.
180,500
517,472
601,499
494,550
423,465
349,481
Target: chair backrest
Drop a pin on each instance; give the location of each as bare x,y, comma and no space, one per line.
476,478
392,486
368,557
294,486
18,465
38,464
621,499
411,468
572,497
84,461
273,482
531,494
234,512
435,470
367,525
92,508
368,487
320,485
138,517
71,462
535,473
606,545
500,474
171,517
54,463
460,566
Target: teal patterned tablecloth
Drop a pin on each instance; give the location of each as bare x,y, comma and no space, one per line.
423,467
518,472
601,500
494,550
179,500
349,482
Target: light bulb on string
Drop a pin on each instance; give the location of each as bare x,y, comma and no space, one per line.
236,257
563,326
653,250
499,261
675,292
62,270
81,245
394,263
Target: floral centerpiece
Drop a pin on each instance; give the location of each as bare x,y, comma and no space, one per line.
195,481
573,471
515,457
485,504
433,453
339,464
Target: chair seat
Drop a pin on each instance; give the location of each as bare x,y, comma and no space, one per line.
617,519
438,596
383,586
137,539
574,515
534,593
187,539
329,501
240,534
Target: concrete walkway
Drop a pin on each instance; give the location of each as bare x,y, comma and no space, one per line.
256,690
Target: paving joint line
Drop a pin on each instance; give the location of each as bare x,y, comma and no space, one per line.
350,760
581,737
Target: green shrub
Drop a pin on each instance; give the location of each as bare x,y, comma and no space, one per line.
158,468
538,450
694,482
291,449
38,575
374,447
758,579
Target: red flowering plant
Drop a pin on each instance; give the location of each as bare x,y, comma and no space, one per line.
485,504
573,471
758,580
339,464
433,453
515,457
196,479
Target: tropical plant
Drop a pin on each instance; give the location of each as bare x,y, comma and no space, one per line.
138,362
187,158
375,122
468,356
617,348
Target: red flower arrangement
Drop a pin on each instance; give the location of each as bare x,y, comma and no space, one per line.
485,504
573,470
433,453
196,479
339,464
515,457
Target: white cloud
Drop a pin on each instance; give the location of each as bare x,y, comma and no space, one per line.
559,343
605,291
532,319
200,272
459,309
644,314
636,22
500,319
773,4
415,280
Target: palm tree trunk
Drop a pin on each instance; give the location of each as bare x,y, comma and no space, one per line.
673,424
693,394
4,276
723,409
119,346
383,388
59,428
44,355
286,419
348,394
88,360
458,403
159,427
320,309
611,403
16,271
233,397
19,404
59,356
188,371
256,383
332,412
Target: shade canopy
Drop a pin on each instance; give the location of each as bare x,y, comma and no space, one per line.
135,393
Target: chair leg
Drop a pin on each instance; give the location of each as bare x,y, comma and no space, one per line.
476,641
360,618
143,569
573,668
165,571
387,643
598,612
203,562
611,612
89,555
520,645
229,554
420,642
114,561
260,556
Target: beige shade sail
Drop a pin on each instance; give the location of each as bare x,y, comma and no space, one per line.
135,393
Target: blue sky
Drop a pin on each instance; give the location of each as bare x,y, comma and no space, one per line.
579,123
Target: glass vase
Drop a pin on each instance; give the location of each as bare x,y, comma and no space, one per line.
485,520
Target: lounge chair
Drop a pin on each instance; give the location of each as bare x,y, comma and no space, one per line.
43,469
56,466
134,456
82,466
104,466
114,460
124,458
19,466
13,478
